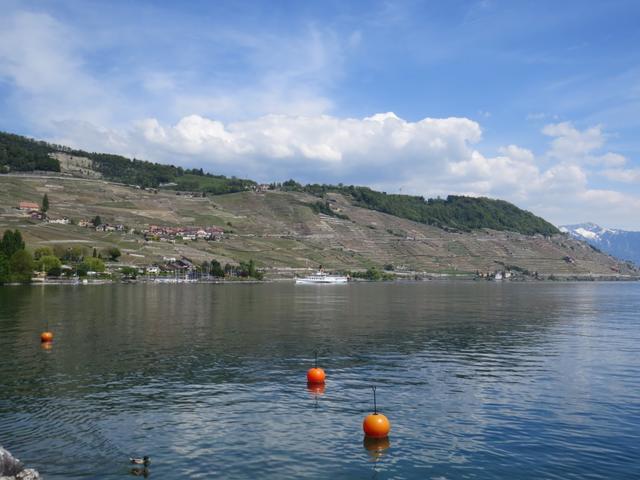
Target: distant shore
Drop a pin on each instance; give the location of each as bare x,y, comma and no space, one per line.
424,278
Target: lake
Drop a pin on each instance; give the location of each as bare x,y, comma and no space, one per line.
479,380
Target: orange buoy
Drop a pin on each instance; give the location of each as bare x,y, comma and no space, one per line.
376,425
46,336
315,375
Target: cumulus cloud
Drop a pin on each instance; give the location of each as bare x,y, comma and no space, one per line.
572,145
306,145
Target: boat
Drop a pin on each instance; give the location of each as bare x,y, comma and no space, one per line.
321,277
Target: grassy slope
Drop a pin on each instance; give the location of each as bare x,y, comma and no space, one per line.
278,229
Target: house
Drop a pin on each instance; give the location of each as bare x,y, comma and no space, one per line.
37,215
262,188
28,206
85,223
60,221
153,270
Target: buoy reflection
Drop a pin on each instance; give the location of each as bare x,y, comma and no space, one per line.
316,388
376,446
46,345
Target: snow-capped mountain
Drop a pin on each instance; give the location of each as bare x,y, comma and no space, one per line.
622,244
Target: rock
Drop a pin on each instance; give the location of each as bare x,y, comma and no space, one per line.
9,465
12,469
28,474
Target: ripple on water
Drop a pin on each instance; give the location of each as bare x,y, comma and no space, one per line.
479,381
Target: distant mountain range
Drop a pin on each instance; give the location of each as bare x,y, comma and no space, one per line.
622,244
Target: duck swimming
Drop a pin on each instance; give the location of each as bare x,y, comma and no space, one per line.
146,461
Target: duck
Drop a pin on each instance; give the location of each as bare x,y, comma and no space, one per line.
146,461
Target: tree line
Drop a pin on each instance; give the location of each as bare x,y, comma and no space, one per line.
20,154
17,264
456,211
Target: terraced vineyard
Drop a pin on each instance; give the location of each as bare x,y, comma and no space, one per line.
281,231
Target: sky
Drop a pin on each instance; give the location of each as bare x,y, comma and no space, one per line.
537,103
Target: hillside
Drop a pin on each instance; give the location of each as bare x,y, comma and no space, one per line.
21,154
283,230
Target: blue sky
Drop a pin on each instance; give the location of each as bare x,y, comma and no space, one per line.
534,102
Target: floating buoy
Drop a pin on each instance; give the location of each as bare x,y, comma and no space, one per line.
46,336
315,375
376,425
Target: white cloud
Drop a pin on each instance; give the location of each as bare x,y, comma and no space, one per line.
309,144
625,175
611,160
38,57
570,144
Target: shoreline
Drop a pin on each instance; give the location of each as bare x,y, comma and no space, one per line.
426,278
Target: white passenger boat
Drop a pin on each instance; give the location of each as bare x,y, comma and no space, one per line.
322,277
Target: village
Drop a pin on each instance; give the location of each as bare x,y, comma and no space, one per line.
163,233
104,265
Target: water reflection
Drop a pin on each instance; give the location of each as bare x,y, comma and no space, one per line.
316,389
485,380
376,446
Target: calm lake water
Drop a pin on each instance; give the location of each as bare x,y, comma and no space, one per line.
479,380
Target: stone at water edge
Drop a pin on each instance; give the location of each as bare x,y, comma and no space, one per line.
12,469
26,474
9,465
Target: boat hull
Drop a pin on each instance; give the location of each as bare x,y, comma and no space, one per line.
323,281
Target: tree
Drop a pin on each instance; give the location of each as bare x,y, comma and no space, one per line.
216,269
50,264
21,266
70,254
248,269
45,204
82,269
11,242
4,269
113,253
129,272
96,221
94,264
